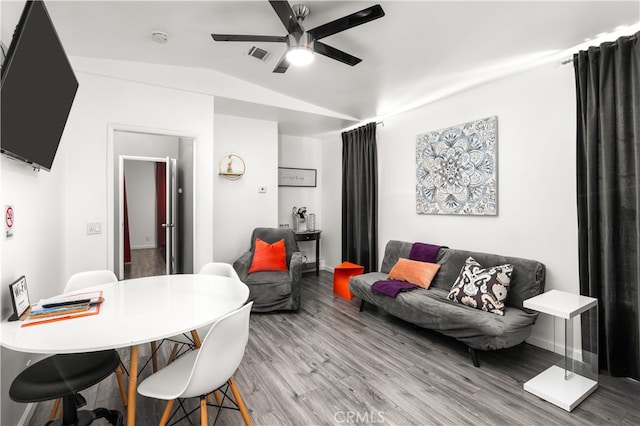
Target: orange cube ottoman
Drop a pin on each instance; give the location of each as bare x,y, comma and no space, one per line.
341,275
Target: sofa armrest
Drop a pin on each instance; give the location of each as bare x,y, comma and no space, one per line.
242,265
295,266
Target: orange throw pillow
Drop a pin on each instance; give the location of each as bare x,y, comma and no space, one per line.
269,257
415,272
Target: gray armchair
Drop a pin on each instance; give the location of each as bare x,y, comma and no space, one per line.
273,290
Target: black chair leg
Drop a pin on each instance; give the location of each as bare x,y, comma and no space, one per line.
112,416
362,305
69,410
80,401
474,357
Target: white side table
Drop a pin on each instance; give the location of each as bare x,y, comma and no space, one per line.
575,377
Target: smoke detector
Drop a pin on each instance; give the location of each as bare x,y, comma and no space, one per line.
159,37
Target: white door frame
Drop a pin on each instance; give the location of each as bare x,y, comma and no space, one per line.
112,128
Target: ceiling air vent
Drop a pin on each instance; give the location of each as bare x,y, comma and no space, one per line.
258,53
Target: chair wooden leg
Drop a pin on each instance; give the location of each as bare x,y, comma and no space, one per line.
133,385
174,351
196,338
123,392
154,357
166,413
239,401
218,397
203,411
54,409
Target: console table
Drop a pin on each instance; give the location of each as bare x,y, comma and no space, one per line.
576,376
311,236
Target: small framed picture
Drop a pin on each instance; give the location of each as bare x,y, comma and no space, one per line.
288,176
19,298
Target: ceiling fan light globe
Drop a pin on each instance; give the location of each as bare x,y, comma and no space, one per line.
300,56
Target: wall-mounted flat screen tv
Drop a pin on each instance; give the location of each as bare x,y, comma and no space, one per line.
38,88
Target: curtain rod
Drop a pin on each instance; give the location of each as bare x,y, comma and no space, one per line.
567,61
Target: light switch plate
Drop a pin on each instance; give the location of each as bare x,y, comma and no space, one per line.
94,228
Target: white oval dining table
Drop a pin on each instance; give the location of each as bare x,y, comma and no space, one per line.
134,312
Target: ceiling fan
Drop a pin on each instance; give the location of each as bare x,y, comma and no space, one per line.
302,43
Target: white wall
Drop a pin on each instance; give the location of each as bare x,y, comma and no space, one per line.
536,173
331,209
302,153
36,249
238,207
53,209
102,101
141,203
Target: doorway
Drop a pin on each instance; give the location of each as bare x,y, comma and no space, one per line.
157,245
148,205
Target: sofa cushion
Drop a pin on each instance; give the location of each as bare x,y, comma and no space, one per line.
273,290
414,272
268,257
527,279
482,288
394,251
431,309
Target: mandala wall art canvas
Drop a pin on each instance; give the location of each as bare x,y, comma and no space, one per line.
456,169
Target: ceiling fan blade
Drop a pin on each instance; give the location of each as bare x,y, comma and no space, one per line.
283,65
286,15
346,22
257,38
333,53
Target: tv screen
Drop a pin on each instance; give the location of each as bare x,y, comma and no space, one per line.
38,88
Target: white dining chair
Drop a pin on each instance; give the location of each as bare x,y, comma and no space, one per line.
186,341
200,372
219,268
89,278
80,281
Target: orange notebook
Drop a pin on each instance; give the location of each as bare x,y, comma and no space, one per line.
92,310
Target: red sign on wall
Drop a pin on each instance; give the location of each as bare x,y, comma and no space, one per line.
9,220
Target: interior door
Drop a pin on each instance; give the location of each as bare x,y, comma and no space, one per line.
170,226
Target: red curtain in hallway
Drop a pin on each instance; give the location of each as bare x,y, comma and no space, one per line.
127,241
161,202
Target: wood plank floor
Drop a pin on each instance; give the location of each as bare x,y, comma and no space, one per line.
145,263
330,364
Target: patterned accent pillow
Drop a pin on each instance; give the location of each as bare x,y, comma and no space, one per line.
482,288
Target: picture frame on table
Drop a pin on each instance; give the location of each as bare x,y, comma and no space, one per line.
289,176
19,298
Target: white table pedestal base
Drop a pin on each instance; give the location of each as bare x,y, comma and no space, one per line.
551,386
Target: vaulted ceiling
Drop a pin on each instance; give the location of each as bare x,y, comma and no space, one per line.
419,51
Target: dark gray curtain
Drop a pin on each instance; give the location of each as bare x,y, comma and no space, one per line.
608,178
360,197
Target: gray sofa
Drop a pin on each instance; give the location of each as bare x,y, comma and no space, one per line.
430,308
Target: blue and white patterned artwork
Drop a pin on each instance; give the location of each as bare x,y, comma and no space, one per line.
456,169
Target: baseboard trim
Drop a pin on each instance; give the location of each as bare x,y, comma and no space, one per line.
541,343
551,347
148,246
